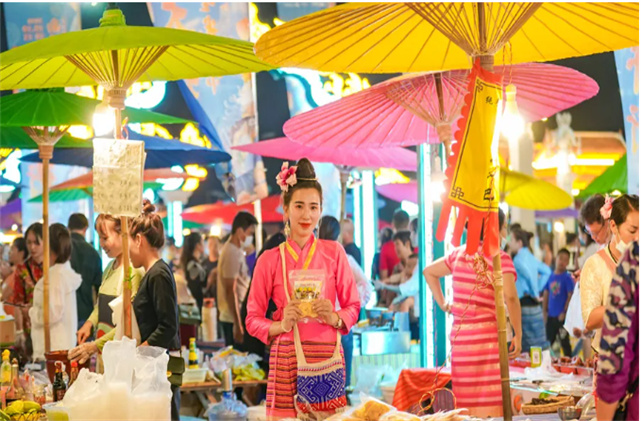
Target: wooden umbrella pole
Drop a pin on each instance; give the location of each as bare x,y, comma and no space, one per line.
46,153
124,227
344,178
487,62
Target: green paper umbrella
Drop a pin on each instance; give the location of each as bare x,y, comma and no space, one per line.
614,178
116,55
54,107
15,137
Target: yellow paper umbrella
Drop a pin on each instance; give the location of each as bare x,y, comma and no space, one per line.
524,191
417,37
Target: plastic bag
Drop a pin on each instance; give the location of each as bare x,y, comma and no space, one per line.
371,409
151,388
119,360
118,319
309,286
574,317
399,416
134,386
84,399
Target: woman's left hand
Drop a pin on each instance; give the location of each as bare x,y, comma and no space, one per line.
325,310
515,347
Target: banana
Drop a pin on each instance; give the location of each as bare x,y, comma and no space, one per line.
31,406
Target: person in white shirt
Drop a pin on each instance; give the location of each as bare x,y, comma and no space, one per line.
63,310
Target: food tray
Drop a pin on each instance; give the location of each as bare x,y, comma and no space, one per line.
195,375
550,408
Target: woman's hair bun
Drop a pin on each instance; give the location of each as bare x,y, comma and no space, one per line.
148,207
305,169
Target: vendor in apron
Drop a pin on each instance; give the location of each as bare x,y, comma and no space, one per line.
101,322
305,334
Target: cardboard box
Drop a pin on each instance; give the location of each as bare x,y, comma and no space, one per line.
7,331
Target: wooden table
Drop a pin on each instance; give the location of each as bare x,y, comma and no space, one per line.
205,392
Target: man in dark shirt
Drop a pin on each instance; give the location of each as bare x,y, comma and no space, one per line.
86,261
347,238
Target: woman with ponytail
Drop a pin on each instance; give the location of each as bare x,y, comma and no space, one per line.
303,353
156,304
63,310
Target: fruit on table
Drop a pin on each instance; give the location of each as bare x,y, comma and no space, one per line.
21,411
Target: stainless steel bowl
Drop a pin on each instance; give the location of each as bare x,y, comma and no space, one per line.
569,413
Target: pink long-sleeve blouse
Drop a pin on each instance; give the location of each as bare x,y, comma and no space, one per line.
268,283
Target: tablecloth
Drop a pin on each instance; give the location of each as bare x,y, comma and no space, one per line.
414,383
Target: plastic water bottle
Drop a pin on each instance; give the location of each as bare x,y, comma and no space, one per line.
228,409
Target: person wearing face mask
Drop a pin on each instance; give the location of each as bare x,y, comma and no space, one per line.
622,216
315,346
233,277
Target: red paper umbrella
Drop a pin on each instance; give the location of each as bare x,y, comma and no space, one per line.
283,148
386,114
271,210
400,192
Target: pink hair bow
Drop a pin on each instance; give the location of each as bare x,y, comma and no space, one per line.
606,209
286,177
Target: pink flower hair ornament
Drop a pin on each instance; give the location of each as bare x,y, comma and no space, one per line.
606,209
286,178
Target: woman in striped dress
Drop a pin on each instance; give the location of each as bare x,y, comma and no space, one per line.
302,201
476,378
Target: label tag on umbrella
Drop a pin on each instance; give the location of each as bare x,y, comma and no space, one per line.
117,176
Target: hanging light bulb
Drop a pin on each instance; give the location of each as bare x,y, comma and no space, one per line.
104,119
512,124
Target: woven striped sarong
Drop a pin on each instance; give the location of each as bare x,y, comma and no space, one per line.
533,328
476,375
283,372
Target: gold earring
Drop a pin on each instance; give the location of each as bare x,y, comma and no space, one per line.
288,230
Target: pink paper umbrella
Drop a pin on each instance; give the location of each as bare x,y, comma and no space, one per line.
385,114
345,159
400,192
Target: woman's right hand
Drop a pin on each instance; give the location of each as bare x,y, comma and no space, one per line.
446,308
82,353
291,315
84,332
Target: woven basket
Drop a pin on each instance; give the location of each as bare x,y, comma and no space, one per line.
550,408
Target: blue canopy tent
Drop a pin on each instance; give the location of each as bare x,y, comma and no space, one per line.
161,153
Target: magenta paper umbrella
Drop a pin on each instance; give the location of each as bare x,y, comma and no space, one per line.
385,114
345,160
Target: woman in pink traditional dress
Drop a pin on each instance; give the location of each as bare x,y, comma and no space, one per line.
302,203
476,378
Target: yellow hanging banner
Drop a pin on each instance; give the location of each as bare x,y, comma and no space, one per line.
472,172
